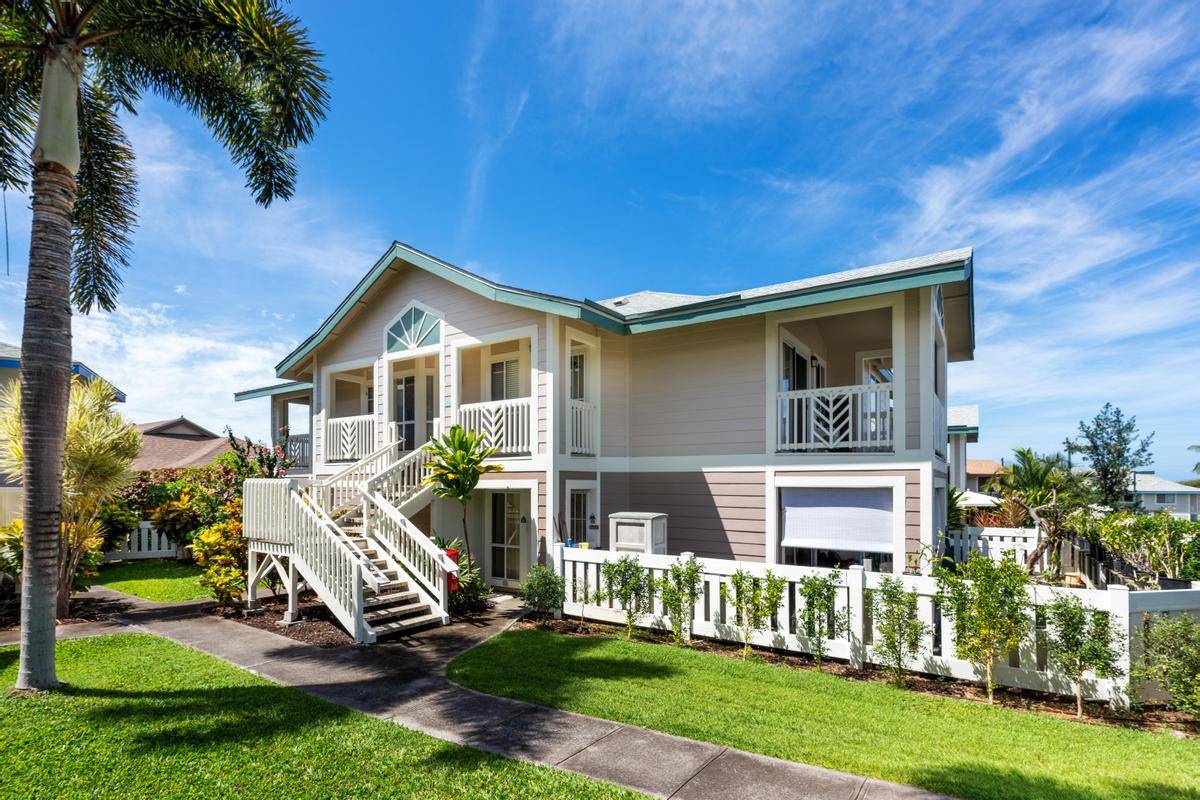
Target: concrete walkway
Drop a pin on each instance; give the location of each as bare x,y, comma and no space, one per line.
402,680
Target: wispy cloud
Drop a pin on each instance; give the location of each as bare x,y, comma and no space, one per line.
481,163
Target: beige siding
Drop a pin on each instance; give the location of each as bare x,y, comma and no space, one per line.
912,366
699,389
11,504
712,514
912,496
614,394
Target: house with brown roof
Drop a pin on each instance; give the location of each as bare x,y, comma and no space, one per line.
177,443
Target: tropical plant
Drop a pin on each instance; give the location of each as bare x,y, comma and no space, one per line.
543,589
956,515
899,629
1030,475
1009,514
10,561
989,604
473,595
1080,639
253,460
755,601
679,589
100,445
818,617
67,67
457,460
1049,493
222,551
1155,545
117,523
1170,657
627,583
1113,449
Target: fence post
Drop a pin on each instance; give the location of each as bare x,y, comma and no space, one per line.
687,629
252,587
856,580
1118,610
559,570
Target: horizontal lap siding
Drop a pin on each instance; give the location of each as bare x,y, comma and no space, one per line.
614,394
699,389
712,514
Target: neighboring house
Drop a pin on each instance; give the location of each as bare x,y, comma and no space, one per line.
1157,494
962,425
11,497
802,423
980,471
177,443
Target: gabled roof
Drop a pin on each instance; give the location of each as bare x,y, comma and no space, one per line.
648,310
1147,483
983,467
10,357
175,444
179,426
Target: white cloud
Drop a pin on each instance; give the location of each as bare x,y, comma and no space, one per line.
181,288
481,163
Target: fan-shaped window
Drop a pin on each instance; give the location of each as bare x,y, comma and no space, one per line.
415,328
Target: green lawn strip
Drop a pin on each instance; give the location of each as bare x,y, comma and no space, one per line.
946,745
144,717
159,579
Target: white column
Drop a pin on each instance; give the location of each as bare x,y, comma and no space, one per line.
1118,611
856,580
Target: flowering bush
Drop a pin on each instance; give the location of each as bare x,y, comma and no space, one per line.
221,550
1156,545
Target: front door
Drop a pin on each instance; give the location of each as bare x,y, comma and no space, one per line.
504,539
406,412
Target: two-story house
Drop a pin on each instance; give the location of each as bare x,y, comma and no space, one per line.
802,423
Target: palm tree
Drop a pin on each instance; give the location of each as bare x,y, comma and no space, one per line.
66,68
100,446
456,464
1195,467
1030,475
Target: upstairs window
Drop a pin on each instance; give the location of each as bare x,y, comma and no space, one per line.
506,379
415,328
578,365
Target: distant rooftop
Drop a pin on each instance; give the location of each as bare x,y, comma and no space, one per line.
1148,483
962,417
10,357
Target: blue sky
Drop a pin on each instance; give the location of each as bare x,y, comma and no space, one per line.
593,149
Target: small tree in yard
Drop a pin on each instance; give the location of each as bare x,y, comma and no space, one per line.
1111,446
680,588
818,618
1081,639
1171,658
456,464
900,630
754,601
626,582
543,589
989,604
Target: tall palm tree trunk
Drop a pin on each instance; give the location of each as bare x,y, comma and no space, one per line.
46,359
45,392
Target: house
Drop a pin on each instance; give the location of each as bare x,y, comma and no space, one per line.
11,497
962,426
1157,494
980,471
801,423
177,443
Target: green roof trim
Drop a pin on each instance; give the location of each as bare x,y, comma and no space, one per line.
967,429
271,391
707,310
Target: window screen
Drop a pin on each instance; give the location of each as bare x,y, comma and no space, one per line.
506,379
858,519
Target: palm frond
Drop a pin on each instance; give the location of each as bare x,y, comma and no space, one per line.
106,207
20,82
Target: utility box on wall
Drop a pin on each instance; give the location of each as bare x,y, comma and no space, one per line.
638,532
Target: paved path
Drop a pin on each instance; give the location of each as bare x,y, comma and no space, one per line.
402,680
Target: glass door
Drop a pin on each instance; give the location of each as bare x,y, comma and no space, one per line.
406,412
505,541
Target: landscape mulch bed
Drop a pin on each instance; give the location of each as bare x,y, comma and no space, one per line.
1151,717
317,625
85,609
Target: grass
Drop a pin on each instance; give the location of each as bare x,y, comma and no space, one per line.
873,729
159,579
144,717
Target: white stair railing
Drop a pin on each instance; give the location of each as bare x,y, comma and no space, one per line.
836,418
421,558
344,488
400,481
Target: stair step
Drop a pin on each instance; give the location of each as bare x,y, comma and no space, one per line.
391,613
399,626
391,598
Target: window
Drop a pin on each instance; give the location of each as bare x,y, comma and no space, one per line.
506,379
837,527
1164,499
793,374
415,328
818,373
431,409
579,515
578,365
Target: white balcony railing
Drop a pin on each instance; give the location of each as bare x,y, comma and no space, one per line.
299,450
837,418
506,425
349,438
583,427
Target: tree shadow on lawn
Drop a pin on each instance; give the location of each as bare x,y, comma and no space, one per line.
975,780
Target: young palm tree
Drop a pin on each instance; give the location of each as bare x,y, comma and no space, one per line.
100,446
457,460
66,68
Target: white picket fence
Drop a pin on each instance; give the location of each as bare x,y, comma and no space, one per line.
995,543
1026,668
145,542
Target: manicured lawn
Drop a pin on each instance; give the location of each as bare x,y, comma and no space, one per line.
145,717
159,579
946,745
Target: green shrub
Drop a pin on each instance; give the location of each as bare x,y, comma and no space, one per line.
117,522
1171,658
754,601
899,629
679,589
818,618
543,589
221,550
989,604
1079,639
626,582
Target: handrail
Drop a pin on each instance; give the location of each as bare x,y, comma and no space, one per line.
836,391
427,563
401,480
372,575
342,488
